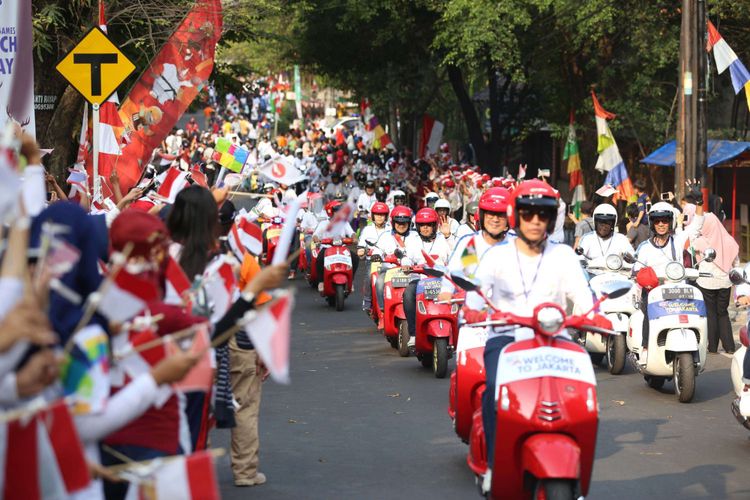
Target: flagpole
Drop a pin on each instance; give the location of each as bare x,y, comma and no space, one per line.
95,132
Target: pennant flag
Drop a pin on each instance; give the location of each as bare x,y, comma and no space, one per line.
137,362
574,169
726,58
201,376
171,181
167,87
382,140
469,256
281,170
178,284
84,141
220,285
432,134
125,296
270,333
610,160
230,155
245,236
85,371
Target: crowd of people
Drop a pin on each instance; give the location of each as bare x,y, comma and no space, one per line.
62,252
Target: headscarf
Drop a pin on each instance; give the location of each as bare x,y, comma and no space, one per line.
713,235
89,237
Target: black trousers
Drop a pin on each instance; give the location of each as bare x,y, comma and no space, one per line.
492,350
410,306
717,314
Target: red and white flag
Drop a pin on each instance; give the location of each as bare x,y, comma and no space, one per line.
125,296
270,332
171,181
220,285
340,218
201,376
281,170
245,236
61,258
178,284
432,134
41,456
188,477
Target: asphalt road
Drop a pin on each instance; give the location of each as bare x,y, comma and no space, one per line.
358,421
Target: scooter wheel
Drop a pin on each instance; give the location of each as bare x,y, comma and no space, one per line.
403,339
340,296
684,377
555,489
616,353
440,357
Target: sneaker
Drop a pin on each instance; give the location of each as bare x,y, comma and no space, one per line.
292,275
411,342
487,482
320,287
257,480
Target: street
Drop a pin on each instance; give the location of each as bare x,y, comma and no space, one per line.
358,421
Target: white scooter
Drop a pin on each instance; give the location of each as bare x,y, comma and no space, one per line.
603,272
738,358
678,328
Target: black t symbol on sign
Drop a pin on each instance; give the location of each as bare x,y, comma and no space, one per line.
95,61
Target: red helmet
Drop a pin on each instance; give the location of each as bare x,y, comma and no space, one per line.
534,193
332,206
379,208
495,199
402,214
449,183
426,216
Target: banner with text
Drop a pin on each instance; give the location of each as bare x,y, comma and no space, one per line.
16,64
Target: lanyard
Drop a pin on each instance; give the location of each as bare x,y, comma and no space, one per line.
526,291
661,249
598,239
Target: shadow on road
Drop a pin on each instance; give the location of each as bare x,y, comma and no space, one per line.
703,481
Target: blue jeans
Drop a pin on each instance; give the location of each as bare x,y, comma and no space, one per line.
489,406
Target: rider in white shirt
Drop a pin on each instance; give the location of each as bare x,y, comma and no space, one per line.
372,234
331,230
604,241
469,226
366,199
448,226
521,273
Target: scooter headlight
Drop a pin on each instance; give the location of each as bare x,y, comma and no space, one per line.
614,262
455,307
550,319
675,271
337,243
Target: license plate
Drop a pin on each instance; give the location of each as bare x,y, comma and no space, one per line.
399,281
431,288
677,293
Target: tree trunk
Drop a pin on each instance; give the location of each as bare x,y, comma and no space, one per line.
471,118
494,145
60,133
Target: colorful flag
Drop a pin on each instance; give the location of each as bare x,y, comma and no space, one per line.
281,170
230,155
432,134
574,169
125,296
382,140
610,160
469,256
167,87
245,236
726,58
270,332
172,181
85,370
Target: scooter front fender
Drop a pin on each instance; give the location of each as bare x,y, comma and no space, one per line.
340,279
439,328
681,340
551,456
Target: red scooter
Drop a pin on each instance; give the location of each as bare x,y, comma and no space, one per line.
271,239
437,326
391,316
547,409
467,380
337,271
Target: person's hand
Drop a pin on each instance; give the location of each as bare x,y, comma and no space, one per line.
114,178
444,296
26,321
743,300
174,368
445,226
41,370
261,369
98,471
268,278
51,181
133,195
694,191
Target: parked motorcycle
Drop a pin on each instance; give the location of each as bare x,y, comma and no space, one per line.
738,358
678,331
547,408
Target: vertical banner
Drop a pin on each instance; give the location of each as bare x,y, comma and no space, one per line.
168,86
16,64
298,91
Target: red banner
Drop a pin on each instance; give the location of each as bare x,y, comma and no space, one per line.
168,86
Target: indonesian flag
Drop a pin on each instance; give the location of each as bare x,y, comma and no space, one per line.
178,284
245,236
337,223
281,170
78,180
270,332
201,376
432,134
171,181
84,141
125,296
187,477
220,285
41,456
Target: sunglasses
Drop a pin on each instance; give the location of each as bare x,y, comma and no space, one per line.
662,220
528,214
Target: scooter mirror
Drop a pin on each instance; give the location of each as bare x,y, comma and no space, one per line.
370,243
579,251
737,276
709,254
464,282
398,253
617,289
434,272
628,257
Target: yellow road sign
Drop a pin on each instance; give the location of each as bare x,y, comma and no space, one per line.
95,67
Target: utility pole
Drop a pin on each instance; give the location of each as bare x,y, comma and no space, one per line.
685,155
701,162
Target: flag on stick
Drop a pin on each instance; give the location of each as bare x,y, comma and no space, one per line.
610,160
270,332
574,169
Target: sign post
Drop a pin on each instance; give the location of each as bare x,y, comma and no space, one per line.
95,67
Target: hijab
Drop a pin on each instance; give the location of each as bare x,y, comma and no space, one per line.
714,235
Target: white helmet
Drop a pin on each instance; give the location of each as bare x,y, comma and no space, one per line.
660,210
605,213
442,203
430,196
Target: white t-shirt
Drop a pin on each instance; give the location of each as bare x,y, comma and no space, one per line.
438,248
372,233
595,247
657,258
455,262
337,231
463,230
365,201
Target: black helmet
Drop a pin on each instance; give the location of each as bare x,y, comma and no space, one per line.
380,194
370,184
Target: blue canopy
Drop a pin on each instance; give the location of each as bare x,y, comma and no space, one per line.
718,153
